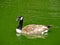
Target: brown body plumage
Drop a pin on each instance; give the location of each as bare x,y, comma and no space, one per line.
34,29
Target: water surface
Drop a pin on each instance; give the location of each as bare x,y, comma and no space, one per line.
45,12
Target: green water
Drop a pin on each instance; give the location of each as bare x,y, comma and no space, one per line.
45,12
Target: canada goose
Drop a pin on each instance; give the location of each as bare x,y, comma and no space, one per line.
31,29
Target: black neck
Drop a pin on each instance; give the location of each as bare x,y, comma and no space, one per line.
20,24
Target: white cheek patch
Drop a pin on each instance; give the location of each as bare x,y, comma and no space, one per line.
21,18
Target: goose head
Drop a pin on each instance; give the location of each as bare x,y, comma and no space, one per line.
19,18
